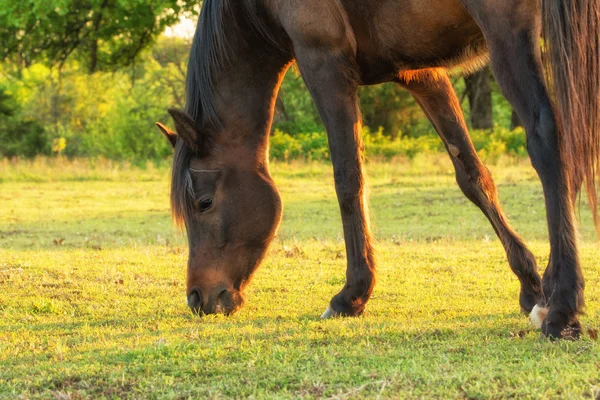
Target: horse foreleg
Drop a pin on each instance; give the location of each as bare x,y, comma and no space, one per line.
437,98
333,89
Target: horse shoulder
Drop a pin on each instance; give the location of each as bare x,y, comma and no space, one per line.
317,23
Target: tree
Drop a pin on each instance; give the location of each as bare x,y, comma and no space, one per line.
18,136
295,109
479,92
386,106
103,34
171,53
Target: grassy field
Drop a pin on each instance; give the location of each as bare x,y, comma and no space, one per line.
92,300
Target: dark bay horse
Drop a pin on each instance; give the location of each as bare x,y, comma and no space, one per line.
221,187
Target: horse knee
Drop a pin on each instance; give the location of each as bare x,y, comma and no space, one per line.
542,141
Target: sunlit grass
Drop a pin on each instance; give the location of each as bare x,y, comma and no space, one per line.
92,293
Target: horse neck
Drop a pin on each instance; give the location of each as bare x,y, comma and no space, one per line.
245,101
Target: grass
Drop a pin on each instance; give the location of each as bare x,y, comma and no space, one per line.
92,293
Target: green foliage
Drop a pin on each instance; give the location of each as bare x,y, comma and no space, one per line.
381,146
490,145
500,141
308,146
102,34
393,109
19,136
383,106
106,114
112,114
295,111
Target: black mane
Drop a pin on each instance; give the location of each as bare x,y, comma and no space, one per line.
210,52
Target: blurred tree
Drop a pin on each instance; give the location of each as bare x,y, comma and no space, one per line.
295,109
386,106
479,92
171,53
103,34
19,136
383,106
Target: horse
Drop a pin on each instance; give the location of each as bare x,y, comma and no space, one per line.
544,54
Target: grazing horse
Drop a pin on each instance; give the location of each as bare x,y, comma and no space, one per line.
222,190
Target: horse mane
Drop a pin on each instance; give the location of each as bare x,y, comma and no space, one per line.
182,189
209,54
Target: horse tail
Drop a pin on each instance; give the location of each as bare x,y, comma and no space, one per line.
571,33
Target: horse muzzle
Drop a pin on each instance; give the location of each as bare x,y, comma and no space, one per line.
219,301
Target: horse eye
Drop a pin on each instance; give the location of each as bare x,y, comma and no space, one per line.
205,204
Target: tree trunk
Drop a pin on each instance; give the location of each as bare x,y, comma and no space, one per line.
93,57
479,91
94,44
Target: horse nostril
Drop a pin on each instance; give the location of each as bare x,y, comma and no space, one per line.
194,300
220,307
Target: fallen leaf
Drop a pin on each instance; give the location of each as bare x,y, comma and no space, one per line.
291,252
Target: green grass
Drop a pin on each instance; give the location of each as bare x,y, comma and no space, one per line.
104,314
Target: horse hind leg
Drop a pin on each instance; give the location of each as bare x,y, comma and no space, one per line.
437,98
513,40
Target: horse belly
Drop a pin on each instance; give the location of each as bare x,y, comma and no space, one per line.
399,35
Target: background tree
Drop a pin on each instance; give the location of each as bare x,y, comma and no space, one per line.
19,136
479,92
95,75
387,106
102,34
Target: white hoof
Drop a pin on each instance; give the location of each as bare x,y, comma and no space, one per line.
329,313
537,316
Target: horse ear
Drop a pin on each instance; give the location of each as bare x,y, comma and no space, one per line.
186,129
169,134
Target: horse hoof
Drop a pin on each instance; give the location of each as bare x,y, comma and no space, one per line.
537,316
554,332
329,313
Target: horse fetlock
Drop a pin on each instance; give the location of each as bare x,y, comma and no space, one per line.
531,292
528,299
538,315
352,299
555,323
344,305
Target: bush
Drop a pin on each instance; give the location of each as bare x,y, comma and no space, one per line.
284,147
379,145
112,115
313,146
308,146
19,137
492,144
